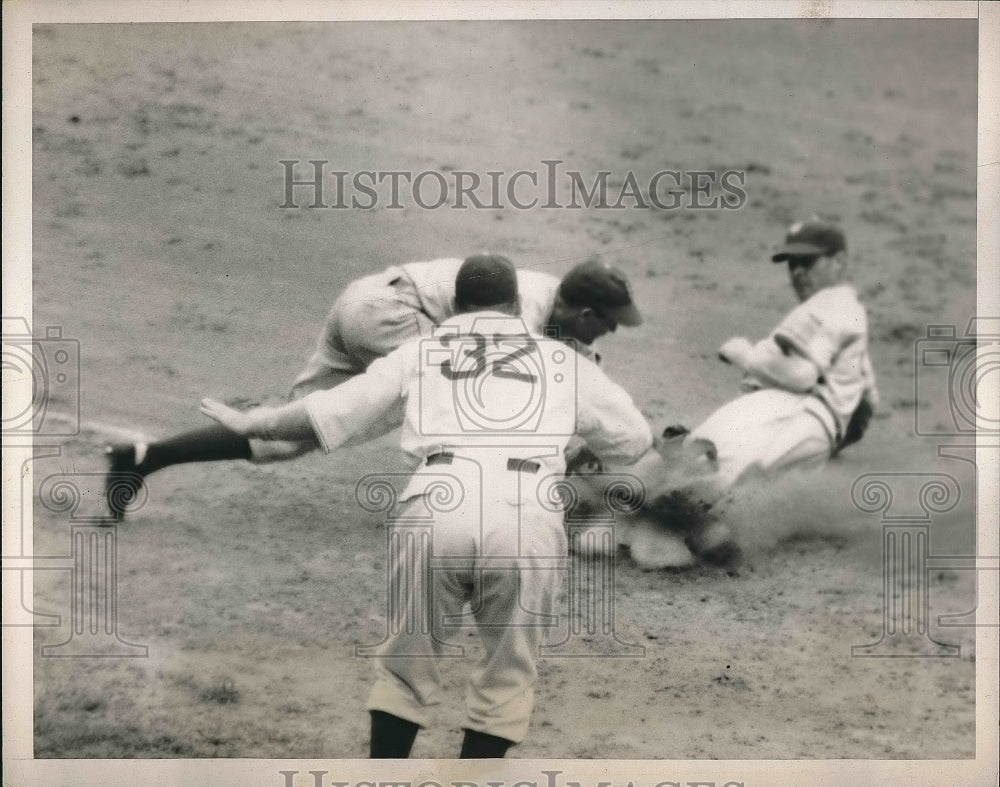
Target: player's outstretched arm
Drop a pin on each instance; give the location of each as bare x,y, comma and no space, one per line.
608,420
231,418
289,422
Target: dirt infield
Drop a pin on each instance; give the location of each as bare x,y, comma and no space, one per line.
160,246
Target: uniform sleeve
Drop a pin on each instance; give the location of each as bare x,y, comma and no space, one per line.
364,407
821,326
288,422
804,348
607,419
778,366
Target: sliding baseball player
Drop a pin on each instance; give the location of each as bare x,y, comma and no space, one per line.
808,392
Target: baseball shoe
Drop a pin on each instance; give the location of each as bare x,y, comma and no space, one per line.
124,480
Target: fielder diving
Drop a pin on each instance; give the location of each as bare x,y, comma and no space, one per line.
372,317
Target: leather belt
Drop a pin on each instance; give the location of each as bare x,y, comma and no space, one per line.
514,465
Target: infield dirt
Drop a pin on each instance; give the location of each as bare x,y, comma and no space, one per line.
160,246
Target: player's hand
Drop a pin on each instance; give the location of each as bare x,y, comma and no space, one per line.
235,420
736,351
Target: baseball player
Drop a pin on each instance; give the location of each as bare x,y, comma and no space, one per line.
373,316
809,391
487,407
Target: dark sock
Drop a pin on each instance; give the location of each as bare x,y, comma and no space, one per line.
208,444
392,737
483,746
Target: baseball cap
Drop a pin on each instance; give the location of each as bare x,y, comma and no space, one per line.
813,237
486,280
603,288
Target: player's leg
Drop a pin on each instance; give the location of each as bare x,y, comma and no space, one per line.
368,320
802,444
799,442
758,436
738,433
380,317
513,603
742,432
478,745
500,694
133,462
763,433
407,674
130,463
391,736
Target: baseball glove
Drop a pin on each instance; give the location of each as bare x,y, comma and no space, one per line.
858,424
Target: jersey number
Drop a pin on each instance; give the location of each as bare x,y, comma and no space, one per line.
503,367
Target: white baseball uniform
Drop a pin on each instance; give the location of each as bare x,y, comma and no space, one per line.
486,410
376,314
777,425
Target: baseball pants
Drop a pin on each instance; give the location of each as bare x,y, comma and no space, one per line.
498,555
765,432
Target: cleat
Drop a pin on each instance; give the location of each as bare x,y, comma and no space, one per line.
124,480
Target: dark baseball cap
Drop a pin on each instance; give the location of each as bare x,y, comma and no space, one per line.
603,288
811,238
486,280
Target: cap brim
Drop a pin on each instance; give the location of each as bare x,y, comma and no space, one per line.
798,250
626,315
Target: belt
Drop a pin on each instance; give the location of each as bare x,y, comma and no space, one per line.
514,465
